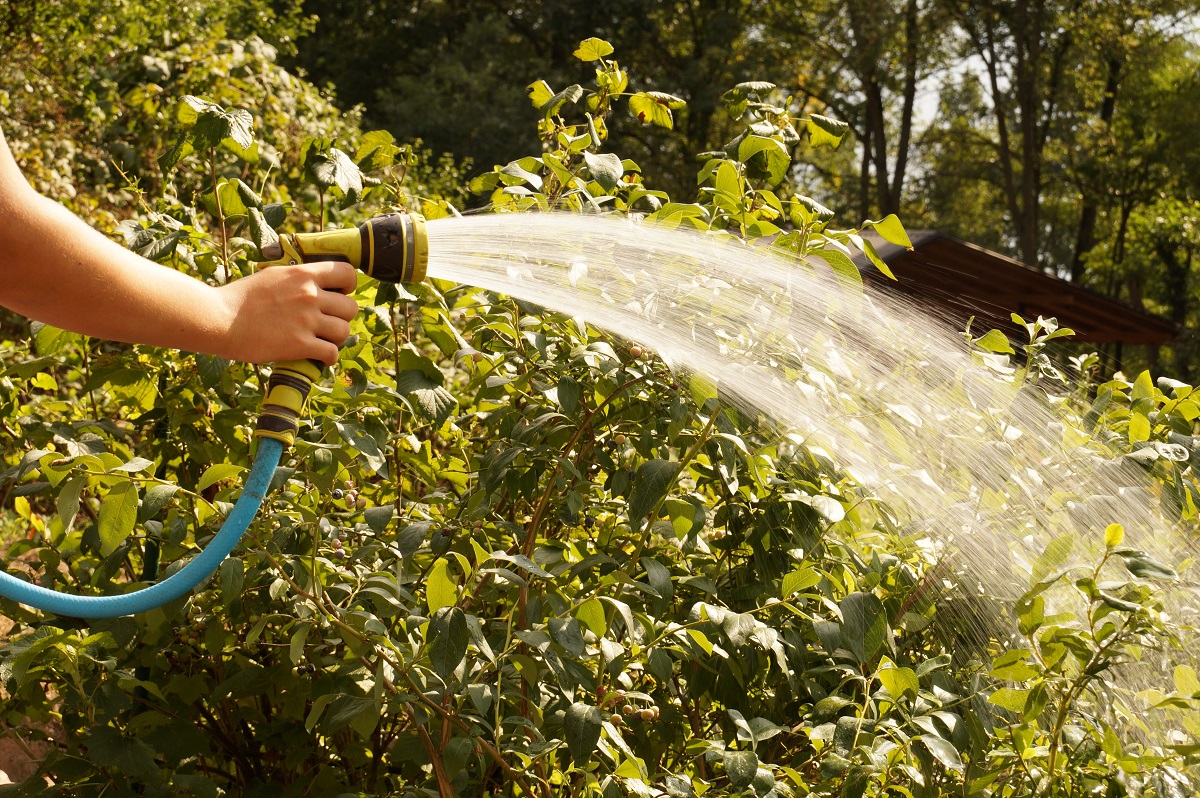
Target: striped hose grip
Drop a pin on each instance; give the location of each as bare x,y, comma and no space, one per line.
287,391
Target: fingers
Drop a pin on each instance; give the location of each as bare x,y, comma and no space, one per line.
338,305
324,351
334,330
335,276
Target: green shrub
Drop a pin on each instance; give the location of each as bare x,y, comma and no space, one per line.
550,570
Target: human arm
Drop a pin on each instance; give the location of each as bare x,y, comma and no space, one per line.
58,270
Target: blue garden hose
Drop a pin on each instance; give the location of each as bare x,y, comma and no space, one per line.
182,581
393,248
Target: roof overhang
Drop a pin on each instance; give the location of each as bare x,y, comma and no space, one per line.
961,280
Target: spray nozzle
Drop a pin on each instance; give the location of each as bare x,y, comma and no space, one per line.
393,248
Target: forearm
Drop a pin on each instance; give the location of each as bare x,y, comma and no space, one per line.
56,269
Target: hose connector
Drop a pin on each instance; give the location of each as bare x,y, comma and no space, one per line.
287,391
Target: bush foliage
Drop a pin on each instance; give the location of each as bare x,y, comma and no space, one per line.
511,554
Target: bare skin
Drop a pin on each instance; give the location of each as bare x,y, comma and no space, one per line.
56,269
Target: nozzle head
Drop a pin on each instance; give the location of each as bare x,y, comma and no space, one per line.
395,247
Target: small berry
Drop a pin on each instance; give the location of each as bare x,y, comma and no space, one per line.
337,494
635,352
337,544
656,712
646,714
619,439
614,719
361,503
349,485
601,690
628,709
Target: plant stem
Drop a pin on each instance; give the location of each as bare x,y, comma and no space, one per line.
212,168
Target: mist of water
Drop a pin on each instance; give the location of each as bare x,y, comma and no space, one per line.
979,466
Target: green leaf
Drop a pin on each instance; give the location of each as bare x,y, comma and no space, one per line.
434,401
869,250
994,341
261,232
118,514
799,580
567,633
1010,698
539,93
767,158
650,111
864,624
593,49
1114,535
943,751
377,150
1148,568
741,767
378,518
651,483
825,132
155,500
131,758
551,105
582,725
891,230
591,614
448,637
334,169
233,577
898,681
68,500
216,473
606,169
843,267
181,149
441,589
133,466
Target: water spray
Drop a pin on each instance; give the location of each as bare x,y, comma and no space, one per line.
393,248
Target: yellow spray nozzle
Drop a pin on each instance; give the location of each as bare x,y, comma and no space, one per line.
393,248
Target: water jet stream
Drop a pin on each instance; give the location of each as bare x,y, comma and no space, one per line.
983,465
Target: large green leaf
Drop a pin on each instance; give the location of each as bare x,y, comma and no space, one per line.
741,766
593,49
441,589
606,169
334,169
864,624
654,108
448,640
651,483
583,725
118,514
825,132
765,157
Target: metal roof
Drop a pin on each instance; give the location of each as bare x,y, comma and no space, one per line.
961,280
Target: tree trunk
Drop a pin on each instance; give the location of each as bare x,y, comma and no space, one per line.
912,36
1086,239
